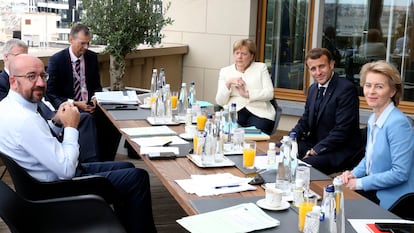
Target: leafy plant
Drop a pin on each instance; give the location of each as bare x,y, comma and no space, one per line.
123,25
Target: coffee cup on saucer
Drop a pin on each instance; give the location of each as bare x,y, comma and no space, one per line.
273,197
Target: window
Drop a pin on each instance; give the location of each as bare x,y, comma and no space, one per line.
355,31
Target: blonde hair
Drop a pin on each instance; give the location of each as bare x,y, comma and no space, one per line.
387,69
249,44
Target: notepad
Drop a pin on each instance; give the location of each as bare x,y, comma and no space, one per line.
149,131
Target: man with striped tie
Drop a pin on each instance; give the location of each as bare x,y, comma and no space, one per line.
74,77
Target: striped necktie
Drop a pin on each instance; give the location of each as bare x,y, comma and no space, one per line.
76,82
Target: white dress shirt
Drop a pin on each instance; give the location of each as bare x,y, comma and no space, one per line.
25,136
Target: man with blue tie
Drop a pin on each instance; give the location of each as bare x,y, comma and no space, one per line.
328,131
74,76
87,128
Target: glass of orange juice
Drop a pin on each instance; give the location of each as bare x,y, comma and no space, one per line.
249,154
201,121
174,100
198,142
304,208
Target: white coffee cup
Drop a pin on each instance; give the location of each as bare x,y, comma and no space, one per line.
191,130
273,196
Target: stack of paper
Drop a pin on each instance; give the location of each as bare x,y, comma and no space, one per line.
252,133
158,144
240,218
215,184
149,131
117,97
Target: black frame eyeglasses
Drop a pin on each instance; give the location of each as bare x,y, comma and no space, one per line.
32,77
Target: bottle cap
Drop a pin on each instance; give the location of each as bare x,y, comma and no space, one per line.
209,116
183,84
329,188
292,134
189,111
218,114
271,145
337,181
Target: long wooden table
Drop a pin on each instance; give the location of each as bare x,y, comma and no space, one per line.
182,168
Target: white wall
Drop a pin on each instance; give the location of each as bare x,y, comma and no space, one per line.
210,28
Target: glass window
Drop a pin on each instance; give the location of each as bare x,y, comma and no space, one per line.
358,32
285,37
355,31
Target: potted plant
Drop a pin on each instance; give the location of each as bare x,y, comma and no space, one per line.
122,25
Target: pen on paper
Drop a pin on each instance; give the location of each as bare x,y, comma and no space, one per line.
227,186
167,143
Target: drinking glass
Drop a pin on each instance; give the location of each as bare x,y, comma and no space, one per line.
201,121
303,173
238,138
174,100
249,154
304,208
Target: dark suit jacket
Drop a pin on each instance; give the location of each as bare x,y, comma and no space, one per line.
60,83
336,132
4,84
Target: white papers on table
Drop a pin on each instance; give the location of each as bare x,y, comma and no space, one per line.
215,184
159,140
159,149
245,217
117,97
360,225
161,130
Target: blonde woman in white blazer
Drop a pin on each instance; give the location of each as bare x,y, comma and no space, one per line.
248,84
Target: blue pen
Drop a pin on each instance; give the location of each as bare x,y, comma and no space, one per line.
227,186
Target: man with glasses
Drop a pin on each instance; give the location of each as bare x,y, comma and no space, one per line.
74,76
87,128
26,138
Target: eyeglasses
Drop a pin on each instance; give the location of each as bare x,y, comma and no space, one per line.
32,77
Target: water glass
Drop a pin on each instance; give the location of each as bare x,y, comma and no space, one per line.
303,173
238,138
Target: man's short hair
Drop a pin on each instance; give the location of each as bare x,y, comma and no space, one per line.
79,27
11,43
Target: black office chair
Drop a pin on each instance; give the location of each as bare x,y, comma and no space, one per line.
81,214
278,110
32,189
403,207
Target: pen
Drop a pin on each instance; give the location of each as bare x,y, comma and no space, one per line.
167,143
227,186
121,106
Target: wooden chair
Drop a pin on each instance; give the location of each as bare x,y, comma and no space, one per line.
81,214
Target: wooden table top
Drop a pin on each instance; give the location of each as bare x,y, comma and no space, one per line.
182,168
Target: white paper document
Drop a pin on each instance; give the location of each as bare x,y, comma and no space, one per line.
215,184
159,149
117,97
159,141
360,225
245,217
149,131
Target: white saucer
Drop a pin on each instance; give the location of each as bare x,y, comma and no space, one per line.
262,204
186,136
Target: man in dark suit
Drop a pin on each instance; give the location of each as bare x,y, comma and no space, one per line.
87,128
74,76
328,131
